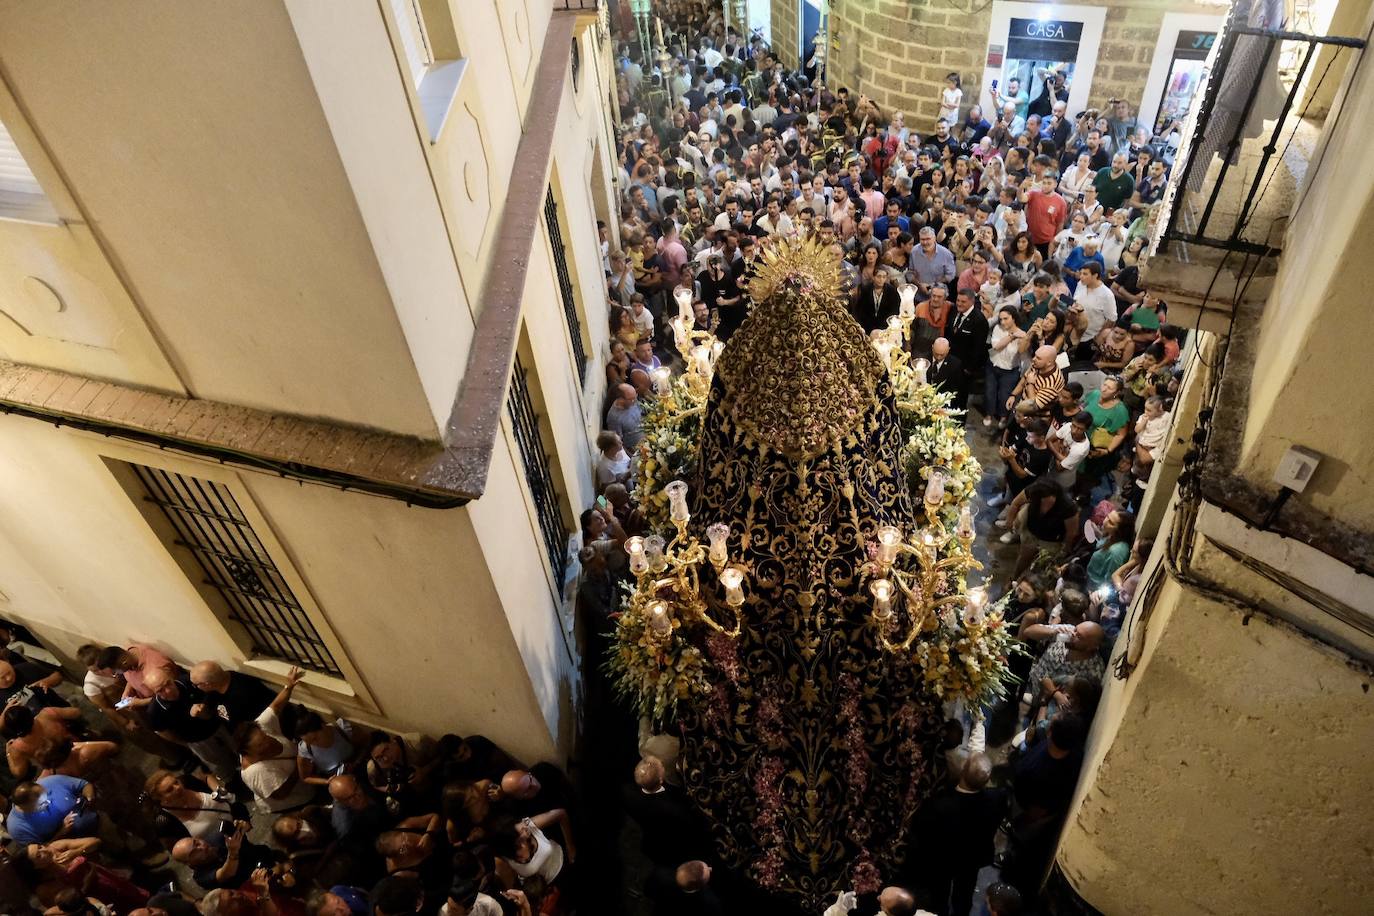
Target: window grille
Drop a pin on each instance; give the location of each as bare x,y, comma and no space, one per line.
210,524
538,472
565,287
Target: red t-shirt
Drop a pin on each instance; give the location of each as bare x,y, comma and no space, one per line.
1045,215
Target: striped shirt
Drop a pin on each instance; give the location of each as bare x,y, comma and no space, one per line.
1042,387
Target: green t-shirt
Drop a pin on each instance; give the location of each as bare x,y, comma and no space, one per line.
1037,311
1113,192
1104,562
1109,418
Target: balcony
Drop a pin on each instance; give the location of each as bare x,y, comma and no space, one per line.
1249,139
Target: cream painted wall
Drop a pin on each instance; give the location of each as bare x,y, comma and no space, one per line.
62,304
507,534
1301,391
406,591
367,103
1229,774
193,138
411,596
83,564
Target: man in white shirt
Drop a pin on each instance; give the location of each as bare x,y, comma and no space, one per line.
1093,301
1070,445
709,55
775,222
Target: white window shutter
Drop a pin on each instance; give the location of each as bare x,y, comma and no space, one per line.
413,39
15,175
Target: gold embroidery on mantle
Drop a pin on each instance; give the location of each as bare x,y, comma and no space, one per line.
799,372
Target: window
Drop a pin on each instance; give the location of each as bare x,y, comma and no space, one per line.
430,48
210,524
411,24
21,196
538,472
565,287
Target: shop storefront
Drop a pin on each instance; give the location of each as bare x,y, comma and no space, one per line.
1185,41
1031,42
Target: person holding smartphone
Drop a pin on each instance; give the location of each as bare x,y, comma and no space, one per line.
224,859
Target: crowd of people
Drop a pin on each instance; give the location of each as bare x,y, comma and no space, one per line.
162,789
1023,232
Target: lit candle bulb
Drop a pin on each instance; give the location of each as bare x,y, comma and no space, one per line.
920,366
928,539
965,530
935,489
882,598
653,553
894,326
663,385
679,331
716,348
888,539
977,605
677,501
684,305
732,577
907,309
884,348
659,621
701,360
639,563
717,535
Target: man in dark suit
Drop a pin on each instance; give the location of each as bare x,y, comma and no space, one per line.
672,834
877,302
684,891
954,836
967,331
946,372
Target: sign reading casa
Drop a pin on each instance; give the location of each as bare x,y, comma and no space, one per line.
1037,29
1050,29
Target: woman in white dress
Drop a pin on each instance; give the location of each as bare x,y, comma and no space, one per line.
1077,178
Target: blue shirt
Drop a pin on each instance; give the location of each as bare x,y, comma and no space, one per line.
60,794
881,223
938,268
1076,260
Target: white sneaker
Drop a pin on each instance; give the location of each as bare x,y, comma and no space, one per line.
987,421
997,501
1000,523
1009,538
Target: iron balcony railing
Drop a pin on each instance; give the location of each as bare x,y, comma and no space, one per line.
576,5
565,287
1230,102
538,470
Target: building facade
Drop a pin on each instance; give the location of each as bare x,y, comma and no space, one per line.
302,328
1237,715
898,52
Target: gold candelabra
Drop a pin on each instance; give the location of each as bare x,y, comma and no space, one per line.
907,573
667,575
904,576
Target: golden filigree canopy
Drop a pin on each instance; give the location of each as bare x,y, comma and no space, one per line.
800,373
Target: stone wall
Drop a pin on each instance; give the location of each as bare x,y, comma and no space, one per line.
897,52
784,31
